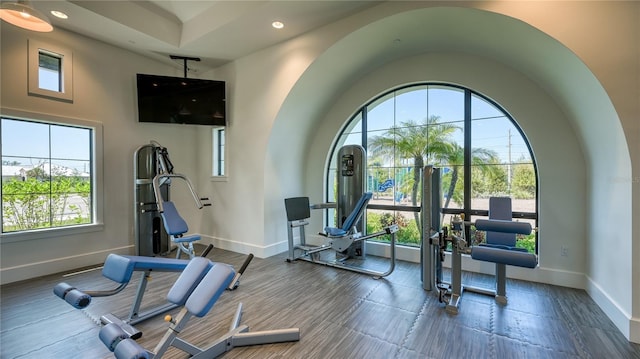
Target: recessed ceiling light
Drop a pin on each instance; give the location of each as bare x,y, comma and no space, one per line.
277,24
59,14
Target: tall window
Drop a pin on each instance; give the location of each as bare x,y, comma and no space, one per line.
480,148
47,175
218,152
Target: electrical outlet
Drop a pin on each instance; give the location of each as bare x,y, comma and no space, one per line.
564,251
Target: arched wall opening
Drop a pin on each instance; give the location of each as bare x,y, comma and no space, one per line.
558,101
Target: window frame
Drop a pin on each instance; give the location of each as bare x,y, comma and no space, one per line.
361,115
97,178
219,154
35,48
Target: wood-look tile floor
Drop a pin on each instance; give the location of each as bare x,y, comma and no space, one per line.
340,314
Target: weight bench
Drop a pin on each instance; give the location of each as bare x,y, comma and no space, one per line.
196,290
120,269
340,238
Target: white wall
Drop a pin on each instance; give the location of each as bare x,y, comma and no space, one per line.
104,93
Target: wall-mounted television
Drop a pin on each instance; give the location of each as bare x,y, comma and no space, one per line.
165,99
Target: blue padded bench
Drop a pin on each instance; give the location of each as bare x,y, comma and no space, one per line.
120,269
196,290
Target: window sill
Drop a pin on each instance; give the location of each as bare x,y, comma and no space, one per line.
49,233
219,178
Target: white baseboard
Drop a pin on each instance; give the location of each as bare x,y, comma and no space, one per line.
246,248
629,326
57,265
634,330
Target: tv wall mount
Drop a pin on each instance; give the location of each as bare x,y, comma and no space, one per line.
184,61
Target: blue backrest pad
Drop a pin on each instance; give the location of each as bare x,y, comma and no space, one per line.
357,211
188,280
500,208
173,223
118,268
209,290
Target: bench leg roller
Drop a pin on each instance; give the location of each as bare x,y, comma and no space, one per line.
111,335
72,296
129,349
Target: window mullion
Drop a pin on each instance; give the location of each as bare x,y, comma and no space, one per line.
50,159
467,153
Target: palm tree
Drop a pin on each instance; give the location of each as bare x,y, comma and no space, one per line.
479,157
429,140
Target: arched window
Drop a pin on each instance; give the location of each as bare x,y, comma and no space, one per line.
480,148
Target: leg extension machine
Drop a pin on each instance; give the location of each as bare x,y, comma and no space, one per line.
500,247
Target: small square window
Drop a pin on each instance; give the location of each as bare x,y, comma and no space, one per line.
50,71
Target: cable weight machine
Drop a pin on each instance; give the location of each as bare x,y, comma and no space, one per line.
153,175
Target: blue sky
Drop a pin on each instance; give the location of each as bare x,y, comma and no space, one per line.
33,143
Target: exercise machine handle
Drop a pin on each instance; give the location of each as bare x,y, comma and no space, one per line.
156,188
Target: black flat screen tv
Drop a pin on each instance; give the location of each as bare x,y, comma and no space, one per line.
165,99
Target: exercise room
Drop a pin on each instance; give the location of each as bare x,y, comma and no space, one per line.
320,179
